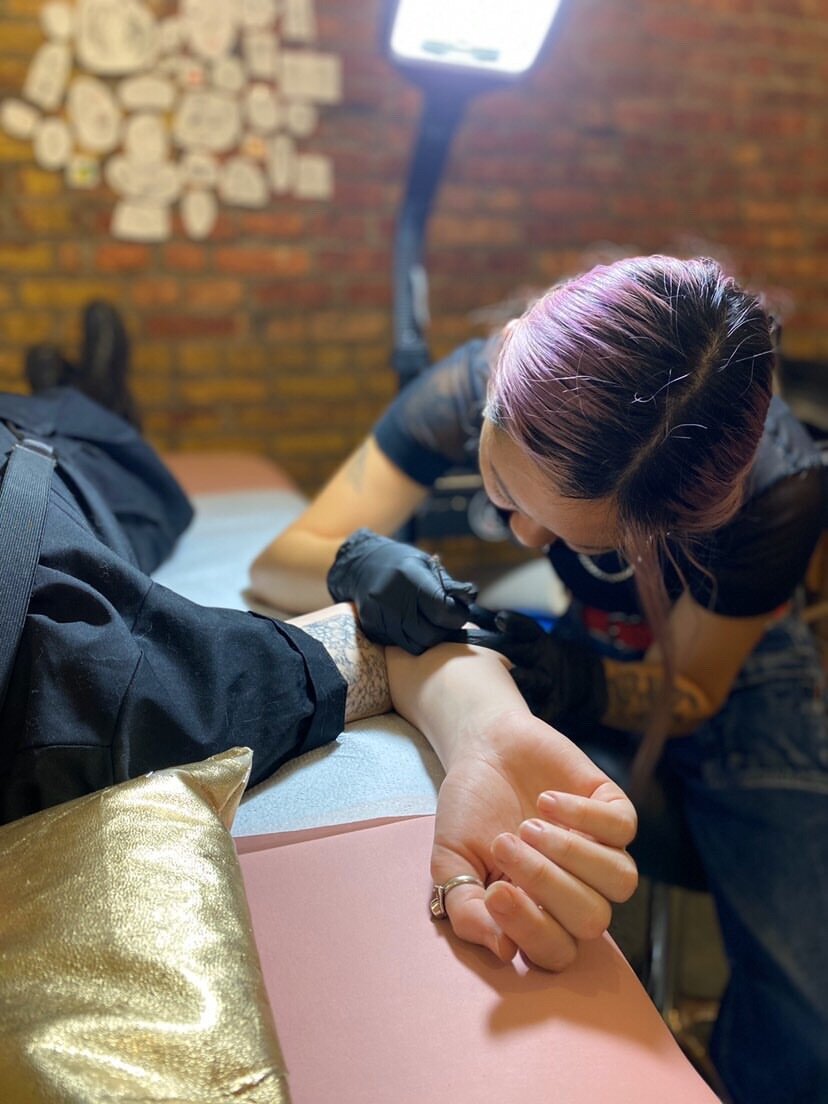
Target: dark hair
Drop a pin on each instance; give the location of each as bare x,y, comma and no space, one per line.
648,381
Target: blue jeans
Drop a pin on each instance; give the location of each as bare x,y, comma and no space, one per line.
754,781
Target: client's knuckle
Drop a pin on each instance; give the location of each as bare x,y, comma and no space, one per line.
628,825
595,920
626,879
556,954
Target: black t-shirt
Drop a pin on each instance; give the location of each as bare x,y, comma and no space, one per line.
748,567
115,675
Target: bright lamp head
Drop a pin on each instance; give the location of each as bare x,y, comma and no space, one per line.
499,37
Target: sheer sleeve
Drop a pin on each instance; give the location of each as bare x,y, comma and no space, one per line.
434,423
755,563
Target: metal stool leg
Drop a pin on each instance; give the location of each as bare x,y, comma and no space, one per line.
665,916
663,951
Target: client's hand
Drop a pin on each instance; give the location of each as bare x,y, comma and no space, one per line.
567,865
523,803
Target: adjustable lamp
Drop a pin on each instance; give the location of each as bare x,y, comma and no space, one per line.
453,50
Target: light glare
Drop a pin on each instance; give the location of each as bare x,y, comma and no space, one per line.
501,36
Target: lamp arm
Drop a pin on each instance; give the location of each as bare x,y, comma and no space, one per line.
438,123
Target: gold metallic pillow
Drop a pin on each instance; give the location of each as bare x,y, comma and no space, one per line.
128,970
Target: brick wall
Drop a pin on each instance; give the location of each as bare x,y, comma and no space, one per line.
672,125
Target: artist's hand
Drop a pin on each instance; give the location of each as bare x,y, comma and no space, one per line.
402,595
558,678
522,802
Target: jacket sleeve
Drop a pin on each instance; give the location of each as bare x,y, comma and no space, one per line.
116,676
207,679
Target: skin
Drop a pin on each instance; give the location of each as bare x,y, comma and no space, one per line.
563,850
366,491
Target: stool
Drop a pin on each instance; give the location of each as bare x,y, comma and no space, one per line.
665,854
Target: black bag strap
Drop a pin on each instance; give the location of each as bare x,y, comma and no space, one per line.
24,498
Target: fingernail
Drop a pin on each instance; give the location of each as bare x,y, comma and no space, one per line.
548,802
505,847
534,827
493,944
501,903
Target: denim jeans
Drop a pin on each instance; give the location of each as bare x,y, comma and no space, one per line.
754,782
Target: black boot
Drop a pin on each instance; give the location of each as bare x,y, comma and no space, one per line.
103,371
46,367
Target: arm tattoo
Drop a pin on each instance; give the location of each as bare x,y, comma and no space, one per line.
361,663
356,466
636,689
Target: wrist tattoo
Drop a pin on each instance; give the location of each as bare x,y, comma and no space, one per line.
361,664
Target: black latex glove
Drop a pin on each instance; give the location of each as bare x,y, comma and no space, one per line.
402,595
558,678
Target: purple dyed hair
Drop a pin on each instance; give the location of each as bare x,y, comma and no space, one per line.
647,381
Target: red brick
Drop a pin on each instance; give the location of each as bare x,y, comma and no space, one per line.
72,294
45,220
215,295
122,257
217,392
13,73
188,325
369,293
149,358
71,257
13,149
332,225
260,260
38,182
272,224
23,328
198,358
34,257
290,294
184,257
293,328
20,36
351,262
328,389
155,291
29,8
151,391
350,325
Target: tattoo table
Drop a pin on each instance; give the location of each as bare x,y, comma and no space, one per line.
374,1003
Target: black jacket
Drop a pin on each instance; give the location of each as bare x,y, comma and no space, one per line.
115,675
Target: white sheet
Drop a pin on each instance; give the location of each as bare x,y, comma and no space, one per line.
211,561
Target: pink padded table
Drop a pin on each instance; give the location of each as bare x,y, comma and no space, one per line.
376,1004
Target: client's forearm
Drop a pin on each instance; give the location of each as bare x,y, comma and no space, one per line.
361,663
452,692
